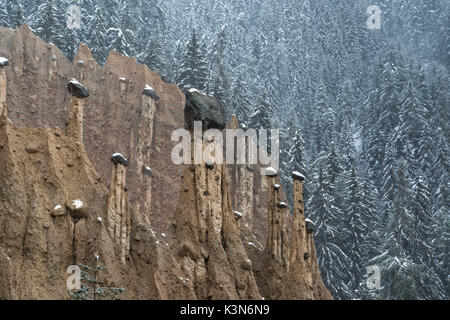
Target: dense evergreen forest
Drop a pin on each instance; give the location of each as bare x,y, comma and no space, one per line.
363,113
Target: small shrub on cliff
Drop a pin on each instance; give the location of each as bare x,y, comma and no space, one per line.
91,287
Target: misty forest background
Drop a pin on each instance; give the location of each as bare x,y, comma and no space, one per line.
364,114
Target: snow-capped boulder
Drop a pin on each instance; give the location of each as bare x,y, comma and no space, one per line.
200,107
277,187
246,264
282,205
58,211
118,158
193,90
77,208
243,126
150,92
148,171
122,80
80,64
298,176
310,226
4,62
99,219
209,165
238,215
271,172
77,89
250,168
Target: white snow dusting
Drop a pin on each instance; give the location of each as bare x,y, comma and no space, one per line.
77,203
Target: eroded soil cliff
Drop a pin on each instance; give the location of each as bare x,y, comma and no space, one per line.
168,234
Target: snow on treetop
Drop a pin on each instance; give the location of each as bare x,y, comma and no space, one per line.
4,62
118,158
298,176
271,172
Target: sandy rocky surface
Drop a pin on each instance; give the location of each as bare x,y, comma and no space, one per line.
169,234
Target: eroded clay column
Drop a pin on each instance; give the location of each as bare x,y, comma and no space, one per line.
74,128
3,63
271,205
280,226
118,215
144,145
298,246
310,254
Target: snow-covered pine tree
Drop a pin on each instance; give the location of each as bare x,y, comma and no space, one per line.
401,225
333,262
219,82
261,117
241,99
4,15
49,25
193,68
98,36
355,226
155,55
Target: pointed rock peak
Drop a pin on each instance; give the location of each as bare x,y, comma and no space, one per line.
233,123
77,89
84,55
24,28
115,57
